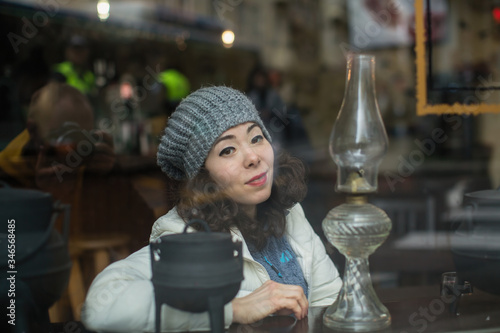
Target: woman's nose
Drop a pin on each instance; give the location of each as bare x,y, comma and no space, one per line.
252,158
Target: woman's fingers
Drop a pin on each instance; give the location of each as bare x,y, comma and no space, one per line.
270,298
289,298
295,299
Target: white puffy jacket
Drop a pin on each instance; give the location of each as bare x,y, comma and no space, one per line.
121,297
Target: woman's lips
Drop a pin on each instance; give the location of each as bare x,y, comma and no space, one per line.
258,180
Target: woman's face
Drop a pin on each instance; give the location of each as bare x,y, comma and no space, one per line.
241,163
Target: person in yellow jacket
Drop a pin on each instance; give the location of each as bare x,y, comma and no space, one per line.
176,87
74,70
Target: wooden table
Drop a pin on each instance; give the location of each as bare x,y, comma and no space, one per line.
413,310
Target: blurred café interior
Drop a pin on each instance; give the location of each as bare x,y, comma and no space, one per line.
437,81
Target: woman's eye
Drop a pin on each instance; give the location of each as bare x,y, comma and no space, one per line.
257,138
226,151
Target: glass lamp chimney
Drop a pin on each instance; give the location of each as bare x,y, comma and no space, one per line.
358,141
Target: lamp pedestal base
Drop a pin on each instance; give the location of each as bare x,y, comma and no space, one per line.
357,308
357,229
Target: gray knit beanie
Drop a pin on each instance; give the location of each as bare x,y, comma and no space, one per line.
195,125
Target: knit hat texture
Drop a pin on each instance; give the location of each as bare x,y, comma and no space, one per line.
195,125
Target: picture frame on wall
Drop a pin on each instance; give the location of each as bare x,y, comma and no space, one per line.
459,73
375,24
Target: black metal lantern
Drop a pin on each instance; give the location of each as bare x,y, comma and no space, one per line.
34,256
196,272
475,242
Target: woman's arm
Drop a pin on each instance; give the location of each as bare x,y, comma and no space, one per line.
323,278
121,298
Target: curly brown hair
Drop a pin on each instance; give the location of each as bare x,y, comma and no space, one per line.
201,198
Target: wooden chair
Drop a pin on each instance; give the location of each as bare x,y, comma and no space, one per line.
408,213
90,254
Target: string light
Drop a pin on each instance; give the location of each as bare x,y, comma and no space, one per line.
228,38
103,9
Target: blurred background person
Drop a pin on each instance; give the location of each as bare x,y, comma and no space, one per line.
75,69
57,143
176,86
283,122
60,152
166,78
268,102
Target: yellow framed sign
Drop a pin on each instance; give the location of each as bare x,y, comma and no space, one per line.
457,62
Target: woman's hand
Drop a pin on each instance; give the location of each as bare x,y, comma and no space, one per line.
272,297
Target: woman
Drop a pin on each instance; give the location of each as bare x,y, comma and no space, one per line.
217,148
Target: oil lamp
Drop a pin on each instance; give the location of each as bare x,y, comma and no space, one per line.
358,143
